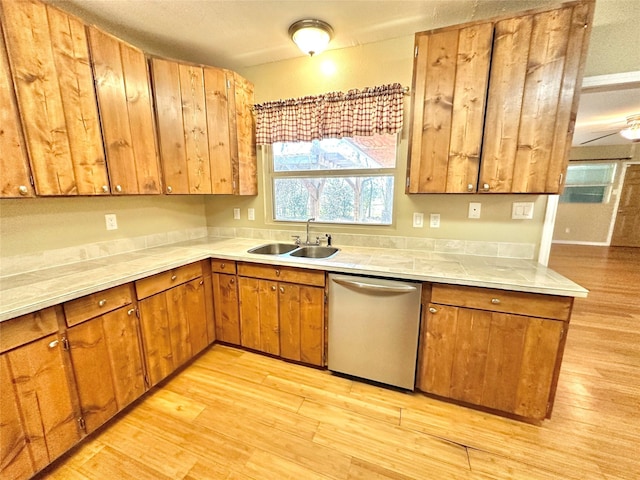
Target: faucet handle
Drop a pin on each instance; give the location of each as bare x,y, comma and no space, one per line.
328,235
297,239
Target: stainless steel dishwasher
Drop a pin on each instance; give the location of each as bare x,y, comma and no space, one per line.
373,328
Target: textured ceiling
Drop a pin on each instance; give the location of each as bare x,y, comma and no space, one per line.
242,33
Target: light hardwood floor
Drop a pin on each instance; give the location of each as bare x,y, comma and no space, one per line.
237,415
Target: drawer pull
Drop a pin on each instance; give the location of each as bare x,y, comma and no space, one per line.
433,310
173,277
102,302
277,273
130,311
54,343
222,265
495,301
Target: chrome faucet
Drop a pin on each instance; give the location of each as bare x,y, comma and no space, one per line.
308,223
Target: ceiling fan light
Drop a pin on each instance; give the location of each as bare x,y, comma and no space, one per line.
632,131
311,36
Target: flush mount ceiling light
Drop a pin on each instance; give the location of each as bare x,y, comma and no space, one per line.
311,36
632,131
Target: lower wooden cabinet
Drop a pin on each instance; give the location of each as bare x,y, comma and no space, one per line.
499,360
173,319
225,301
282,311
107,363
38,417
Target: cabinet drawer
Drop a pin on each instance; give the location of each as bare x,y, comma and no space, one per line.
223,266
91,306
165,280
520,303
27,328
282,274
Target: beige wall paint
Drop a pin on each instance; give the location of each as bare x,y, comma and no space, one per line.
588,222
357,67
33,225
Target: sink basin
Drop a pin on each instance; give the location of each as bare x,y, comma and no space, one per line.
314,252
273,248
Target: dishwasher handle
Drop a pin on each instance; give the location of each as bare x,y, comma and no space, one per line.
375,288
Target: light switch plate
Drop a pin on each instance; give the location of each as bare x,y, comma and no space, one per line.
474,210
418,220
251,214
236,214
522,211
111,221
434,220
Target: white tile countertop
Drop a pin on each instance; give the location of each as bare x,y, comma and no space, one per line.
28,292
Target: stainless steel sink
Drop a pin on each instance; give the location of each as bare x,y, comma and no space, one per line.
314,251
273,248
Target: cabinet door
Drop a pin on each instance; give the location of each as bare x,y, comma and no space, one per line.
50,64
13,161
156,337
449,89
301,311
217,87
195,307
496,360
533,92
107,362
243,138
225,301
128,126
259,314
44,398
182,126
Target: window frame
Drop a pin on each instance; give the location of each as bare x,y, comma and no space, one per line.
271,175
608,187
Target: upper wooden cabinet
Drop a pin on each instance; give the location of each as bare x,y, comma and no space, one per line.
49,60
205,129
14,163
494,103
126,110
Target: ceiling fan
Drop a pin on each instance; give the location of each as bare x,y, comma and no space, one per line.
630,132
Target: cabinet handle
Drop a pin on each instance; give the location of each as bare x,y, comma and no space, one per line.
173,277
273,287
169,189
277,273
23,190
495,301
118,188
54,343
105,189
130,311
102,302
281,289
470,187
433,310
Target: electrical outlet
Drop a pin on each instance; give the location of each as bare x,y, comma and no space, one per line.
434,220
418,220
251,214
236,214
111,221
474,210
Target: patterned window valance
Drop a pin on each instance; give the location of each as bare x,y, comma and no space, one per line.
365,112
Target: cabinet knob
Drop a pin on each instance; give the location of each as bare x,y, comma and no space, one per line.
169,189
485,186
470,187
281,289
173,277
53,344
23,190
105,189
130,311
233,280
273,287
201,282
102,302
495,301
118,188
433,310
277,273
222,265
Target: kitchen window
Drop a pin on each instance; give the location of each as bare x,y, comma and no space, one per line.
589,183
349,180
